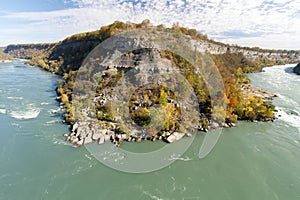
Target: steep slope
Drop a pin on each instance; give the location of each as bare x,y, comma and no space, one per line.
72,51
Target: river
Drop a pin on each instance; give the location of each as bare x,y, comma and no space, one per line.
250,161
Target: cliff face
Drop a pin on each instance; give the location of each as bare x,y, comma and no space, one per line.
71,52
278,56
297,69
74,51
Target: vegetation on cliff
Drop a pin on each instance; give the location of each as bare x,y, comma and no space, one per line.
68,55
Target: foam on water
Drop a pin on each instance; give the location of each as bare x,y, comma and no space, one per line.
52,122
15,98
27,114
54,111
16,125
281,80
152,196
2,111
61,142
177,157
288,101
292,118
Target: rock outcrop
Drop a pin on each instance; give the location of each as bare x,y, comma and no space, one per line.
297,69
265,95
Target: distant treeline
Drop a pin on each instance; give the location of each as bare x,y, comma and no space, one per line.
28,51
28,46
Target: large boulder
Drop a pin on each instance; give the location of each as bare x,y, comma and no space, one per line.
297,69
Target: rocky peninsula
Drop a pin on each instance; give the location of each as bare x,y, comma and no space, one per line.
99,121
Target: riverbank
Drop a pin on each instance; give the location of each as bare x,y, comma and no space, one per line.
266,96
5,61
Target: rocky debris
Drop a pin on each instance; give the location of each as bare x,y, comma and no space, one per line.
297,69
216,125
86,133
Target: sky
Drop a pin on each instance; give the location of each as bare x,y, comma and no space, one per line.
273,24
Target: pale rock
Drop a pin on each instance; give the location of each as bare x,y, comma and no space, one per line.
124,137
73,139
75,127
97,134
109,132
88,140
107,138
79,143
178,136
102,140
171,138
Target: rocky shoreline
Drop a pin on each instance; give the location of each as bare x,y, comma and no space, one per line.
89,132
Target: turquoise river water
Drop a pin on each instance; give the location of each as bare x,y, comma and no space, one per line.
254,161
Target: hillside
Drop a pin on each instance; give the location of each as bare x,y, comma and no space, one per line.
242,102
